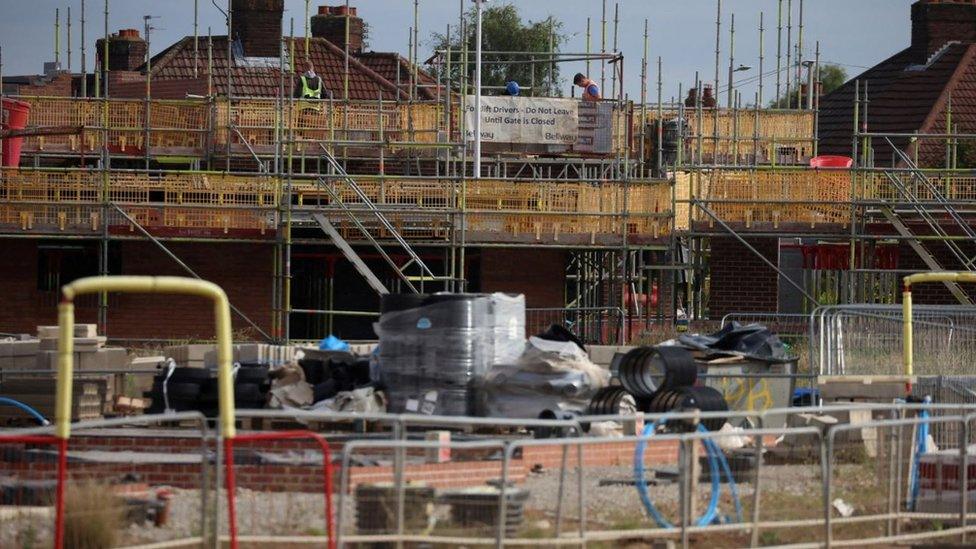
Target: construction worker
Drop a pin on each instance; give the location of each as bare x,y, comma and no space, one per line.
309,84
311,116
591,91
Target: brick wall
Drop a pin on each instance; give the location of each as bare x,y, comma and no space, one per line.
909,260
125,53
333,28
934,24
59,85
539,274
243,270
740,281
934,293
258,24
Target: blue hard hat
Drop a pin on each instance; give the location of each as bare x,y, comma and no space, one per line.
512,88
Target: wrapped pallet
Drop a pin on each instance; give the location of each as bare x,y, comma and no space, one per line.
433,356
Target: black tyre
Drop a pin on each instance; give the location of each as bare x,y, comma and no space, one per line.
314,370
187,375
248,392
176,389
252,374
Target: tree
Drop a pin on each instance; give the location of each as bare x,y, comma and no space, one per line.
831,78
502,29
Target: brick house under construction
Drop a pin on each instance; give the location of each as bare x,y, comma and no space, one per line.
254,191
304,214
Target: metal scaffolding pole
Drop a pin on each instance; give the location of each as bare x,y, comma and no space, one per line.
762,59
477,90
718,42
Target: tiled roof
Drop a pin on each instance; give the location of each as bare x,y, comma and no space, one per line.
365,81
902,98
395,68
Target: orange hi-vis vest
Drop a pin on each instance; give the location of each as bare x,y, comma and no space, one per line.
591,91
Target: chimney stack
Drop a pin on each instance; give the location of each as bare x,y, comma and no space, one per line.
935,22
257,23
330,23
126,51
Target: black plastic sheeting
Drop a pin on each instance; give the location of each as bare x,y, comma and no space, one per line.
753,341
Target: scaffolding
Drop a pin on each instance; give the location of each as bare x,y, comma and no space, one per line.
391,180
731,181
392,175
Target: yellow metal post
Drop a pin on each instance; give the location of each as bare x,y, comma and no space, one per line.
144,284
908,349
66,330
907,344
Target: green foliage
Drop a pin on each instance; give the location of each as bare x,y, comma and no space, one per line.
831,78
504,30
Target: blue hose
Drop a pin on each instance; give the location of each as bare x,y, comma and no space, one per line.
921,446
18,404
716,458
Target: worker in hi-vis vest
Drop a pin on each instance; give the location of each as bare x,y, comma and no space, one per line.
309,85
591,91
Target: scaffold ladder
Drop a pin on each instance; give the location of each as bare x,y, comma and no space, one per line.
369,207
940,199
927,258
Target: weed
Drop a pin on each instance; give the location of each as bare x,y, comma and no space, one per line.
93,516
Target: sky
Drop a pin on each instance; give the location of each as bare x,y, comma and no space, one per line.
853,33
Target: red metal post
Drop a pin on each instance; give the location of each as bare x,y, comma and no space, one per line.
283,435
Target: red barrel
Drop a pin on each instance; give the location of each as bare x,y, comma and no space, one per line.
13,115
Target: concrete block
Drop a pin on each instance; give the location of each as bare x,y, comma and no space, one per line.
863,388
80,330
146,362
18,362
86,330
48,360
48,332
81,344
192,356
28,362
116,358
22,348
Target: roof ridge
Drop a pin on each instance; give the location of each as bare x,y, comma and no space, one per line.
352,60
403,62
950,87
160,59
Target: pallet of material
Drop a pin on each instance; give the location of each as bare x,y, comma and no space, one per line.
87,399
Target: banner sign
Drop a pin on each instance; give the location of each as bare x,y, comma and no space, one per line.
526,120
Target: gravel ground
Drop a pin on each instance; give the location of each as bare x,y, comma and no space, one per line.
612,502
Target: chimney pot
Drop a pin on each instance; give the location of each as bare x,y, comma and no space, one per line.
126,50
330,24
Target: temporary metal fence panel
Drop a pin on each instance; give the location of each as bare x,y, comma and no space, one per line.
28,489
789,486
866,339
282,490
116,492
419,491
593,325
874,489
